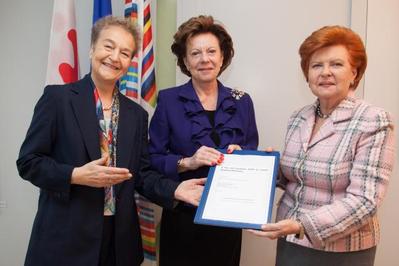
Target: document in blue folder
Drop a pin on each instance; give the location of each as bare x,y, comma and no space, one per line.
240,192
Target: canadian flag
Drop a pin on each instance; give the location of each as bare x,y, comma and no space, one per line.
63,64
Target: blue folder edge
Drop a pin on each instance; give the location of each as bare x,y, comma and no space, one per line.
200,210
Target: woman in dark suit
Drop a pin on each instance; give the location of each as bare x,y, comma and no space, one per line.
190,122
86,149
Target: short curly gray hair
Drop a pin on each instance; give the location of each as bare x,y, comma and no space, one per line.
125,23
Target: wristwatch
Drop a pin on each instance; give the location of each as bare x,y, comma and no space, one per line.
179,162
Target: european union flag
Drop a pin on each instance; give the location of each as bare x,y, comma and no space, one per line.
101,9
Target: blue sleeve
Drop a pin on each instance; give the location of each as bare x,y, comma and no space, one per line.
161,158
150,183
35,162
252,137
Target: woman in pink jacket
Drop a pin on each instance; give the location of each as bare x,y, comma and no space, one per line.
338,156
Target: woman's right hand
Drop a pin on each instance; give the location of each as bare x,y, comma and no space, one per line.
204,156
279,229
96,174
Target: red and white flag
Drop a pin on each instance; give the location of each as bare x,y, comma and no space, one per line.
63,64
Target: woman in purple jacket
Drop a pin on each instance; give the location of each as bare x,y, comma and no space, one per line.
190,123
338,158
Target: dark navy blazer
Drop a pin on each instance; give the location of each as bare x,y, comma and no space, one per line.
180,126
64,134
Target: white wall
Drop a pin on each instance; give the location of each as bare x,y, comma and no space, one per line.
22,74
382,89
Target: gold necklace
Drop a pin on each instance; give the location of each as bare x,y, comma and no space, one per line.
109,107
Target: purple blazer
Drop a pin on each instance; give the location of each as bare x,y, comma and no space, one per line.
180,127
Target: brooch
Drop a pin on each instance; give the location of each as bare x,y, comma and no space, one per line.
237,94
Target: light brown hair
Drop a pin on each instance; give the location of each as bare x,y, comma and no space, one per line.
198,25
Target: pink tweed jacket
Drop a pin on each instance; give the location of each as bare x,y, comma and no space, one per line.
335,182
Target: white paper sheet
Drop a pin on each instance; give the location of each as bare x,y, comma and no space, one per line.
240,189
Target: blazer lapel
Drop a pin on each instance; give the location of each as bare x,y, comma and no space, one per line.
325,131
126,137
306,124
343,112
85,112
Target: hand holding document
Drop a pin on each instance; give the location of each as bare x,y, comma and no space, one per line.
240,191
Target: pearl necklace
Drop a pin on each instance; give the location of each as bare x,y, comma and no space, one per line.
320,114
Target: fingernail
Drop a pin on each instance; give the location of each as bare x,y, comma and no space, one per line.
220,161
221,155
213,163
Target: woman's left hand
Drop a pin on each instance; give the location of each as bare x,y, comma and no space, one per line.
190,191
279,229
233,147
